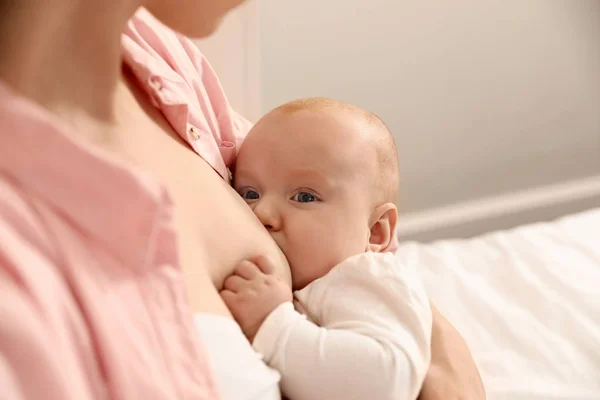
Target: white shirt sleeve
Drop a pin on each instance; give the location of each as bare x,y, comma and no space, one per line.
368,337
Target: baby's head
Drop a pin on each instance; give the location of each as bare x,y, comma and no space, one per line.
322,177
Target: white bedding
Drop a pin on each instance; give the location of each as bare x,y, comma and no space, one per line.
528,303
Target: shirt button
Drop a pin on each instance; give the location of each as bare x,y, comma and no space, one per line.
155,83
194,134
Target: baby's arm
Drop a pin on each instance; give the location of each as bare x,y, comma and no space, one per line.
374,339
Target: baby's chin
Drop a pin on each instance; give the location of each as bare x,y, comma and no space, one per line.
297,281
300,280
298,264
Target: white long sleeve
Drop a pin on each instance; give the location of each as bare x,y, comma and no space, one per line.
368,337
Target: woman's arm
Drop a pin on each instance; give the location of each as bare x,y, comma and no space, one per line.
453,374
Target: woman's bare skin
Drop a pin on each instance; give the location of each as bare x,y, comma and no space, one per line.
211,240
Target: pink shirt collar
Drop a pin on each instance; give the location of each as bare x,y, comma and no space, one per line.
59,171
182,84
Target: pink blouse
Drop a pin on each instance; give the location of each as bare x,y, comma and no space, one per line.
92,298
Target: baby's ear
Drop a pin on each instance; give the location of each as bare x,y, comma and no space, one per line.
383,224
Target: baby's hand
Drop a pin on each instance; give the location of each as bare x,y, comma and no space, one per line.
253,292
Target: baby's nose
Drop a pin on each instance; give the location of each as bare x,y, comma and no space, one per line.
268,216
271,224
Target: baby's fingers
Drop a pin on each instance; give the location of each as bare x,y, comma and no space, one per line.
265,264
235,283
228,297
247,270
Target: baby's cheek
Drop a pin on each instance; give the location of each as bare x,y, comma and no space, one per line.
309,246
309,261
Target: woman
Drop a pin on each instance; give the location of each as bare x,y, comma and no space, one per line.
93,249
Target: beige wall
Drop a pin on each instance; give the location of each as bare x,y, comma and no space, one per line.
233,52
483,97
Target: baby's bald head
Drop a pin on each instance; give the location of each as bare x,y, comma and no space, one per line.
373,131
321,176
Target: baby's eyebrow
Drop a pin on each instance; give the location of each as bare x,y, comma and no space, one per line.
241,171
311,174
244,173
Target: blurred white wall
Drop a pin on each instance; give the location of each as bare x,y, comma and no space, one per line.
484,98
233,52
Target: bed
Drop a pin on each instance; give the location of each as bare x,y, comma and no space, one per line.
527,301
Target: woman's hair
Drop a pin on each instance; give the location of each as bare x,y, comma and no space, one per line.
4,15
4,8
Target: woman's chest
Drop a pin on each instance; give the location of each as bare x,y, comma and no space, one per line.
215,228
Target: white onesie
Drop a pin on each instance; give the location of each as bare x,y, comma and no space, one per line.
240,373
365,333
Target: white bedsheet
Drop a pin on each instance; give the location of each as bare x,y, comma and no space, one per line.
528,303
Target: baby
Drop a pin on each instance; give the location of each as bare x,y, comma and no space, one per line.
322,177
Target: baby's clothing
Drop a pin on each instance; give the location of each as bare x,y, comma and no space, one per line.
239,371
365,333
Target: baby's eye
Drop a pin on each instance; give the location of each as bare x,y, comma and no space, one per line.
304,197
250,195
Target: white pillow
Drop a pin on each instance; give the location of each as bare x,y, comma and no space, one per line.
528,303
